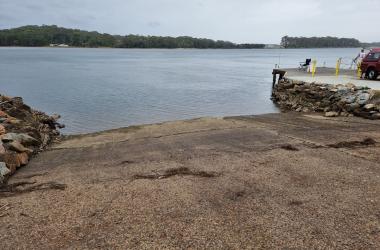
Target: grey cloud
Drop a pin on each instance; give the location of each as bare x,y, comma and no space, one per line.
34,7
234,20
154,24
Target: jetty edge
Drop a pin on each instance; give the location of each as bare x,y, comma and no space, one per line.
336,96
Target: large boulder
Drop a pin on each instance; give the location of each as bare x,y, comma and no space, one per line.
23,158
24,139
18,147
11,160
363,98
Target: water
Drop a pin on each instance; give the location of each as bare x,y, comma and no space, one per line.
99,89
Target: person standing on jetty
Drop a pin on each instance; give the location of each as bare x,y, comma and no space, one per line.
358,60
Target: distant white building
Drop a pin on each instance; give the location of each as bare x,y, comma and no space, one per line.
58,45
272,46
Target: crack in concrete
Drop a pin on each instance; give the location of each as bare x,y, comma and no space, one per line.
182,171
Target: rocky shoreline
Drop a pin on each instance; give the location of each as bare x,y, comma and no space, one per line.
333,100
24,132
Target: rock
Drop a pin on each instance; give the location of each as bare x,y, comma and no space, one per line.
11,160
376,116
55,117
343,90
18,147
349,99
358,88
3,114
3,169
13,121
2,149
60,125
363,98
24,139
369,106
23,158
353,106
350,85
331,114
5,98
9,137
299,109
4,172
3,119
2,130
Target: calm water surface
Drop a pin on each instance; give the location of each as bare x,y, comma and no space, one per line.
98,89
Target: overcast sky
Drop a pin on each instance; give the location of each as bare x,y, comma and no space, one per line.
255,21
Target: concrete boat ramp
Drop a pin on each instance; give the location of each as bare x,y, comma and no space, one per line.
276,181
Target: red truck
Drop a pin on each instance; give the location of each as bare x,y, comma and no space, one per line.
371,64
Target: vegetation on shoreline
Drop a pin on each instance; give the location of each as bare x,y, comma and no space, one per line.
39,36
319,42
370,45
45,35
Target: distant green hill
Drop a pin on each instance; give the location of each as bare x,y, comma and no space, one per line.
38,36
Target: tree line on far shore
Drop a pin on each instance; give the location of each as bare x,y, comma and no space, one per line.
319,42
45,35
371,45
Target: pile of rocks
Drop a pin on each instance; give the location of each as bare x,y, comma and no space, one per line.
333,100
24,132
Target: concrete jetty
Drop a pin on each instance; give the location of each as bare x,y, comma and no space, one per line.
346,95
327,75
